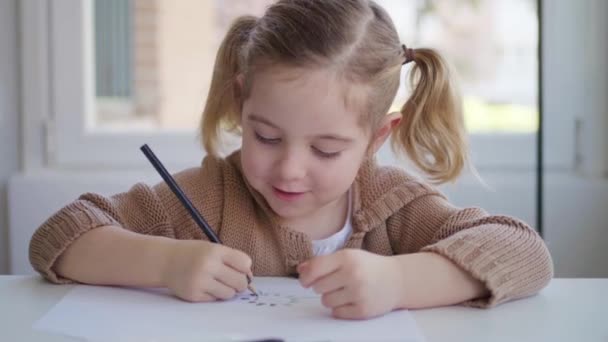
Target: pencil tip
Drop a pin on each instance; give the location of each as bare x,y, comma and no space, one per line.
252,289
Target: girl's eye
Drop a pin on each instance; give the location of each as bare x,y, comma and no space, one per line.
264,140
327,155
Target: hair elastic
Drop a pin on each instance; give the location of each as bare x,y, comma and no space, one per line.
409,54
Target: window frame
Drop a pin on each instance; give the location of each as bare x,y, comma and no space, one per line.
57,40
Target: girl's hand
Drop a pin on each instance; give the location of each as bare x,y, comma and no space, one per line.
355,284
201,271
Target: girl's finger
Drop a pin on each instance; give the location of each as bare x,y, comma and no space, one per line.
205,297
232,278
337,298
219,290
236,259
351,311
318,267
330,282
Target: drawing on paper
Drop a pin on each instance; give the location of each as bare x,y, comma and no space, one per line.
273,299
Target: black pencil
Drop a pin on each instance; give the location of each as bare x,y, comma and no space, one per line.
198,218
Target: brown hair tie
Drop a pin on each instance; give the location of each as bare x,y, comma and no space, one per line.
409,54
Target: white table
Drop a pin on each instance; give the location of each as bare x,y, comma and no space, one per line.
567,310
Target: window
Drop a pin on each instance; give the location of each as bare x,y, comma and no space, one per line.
114,64
123,73
164,52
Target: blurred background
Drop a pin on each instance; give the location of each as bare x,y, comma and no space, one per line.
84,83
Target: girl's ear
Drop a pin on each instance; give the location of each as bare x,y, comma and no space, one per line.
239,82
384,130
240,79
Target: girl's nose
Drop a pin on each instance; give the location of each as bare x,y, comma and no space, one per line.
291,166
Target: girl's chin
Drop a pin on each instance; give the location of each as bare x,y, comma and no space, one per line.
287,213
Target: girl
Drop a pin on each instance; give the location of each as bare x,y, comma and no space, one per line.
308,86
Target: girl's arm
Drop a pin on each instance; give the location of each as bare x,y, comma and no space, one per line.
193,270
502,252
100,229
144,237
430,280
139,218
111,255
356,284
443,255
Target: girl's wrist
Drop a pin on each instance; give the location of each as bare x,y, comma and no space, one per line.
422,285
406,282
164,267
431,280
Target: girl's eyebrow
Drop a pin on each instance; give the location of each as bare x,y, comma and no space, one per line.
260,119
335,137
257,118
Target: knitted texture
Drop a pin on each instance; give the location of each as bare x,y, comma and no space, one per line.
392,213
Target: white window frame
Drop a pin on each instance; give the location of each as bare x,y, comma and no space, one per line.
57,40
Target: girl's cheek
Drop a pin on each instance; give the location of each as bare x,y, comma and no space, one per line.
257,163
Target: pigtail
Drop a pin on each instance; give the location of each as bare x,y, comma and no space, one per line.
222,108
432,129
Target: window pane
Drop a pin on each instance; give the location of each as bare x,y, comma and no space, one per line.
154,58
491,44
113,48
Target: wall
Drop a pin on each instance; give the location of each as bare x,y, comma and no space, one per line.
576,225
9,116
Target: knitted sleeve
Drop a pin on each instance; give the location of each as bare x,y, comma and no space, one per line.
142,209
508,256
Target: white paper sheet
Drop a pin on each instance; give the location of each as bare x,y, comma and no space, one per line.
283,310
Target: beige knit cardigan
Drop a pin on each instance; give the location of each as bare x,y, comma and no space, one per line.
393,213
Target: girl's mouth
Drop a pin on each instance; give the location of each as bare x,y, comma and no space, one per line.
287,195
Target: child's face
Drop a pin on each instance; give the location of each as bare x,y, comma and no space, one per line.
302,146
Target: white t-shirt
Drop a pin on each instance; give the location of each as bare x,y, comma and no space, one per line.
337,240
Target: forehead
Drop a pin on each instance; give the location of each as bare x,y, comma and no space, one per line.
306,97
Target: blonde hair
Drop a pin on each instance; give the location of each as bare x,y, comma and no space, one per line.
358,40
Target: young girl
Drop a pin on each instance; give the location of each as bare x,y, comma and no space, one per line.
309,85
